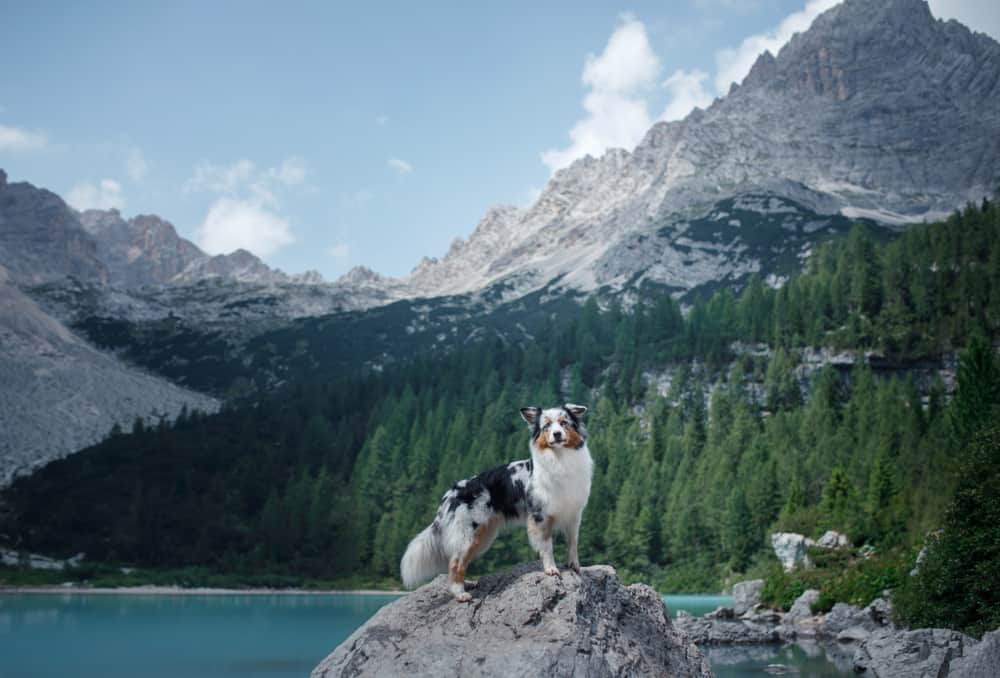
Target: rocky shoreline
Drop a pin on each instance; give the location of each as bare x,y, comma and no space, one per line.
865,639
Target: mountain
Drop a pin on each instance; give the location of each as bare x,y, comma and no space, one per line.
41,238
877,111
60,394
146,250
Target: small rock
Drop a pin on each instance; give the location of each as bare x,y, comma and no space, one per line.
854,634
802,607
832,539
746,595
790,548
721,613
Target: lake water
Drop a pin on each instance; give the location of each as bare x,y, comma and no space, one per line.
270,636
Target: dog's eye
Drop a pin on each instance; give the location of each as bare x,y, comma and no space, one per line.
547,424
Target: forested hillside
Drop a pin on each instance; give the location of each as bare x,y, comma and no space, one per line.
329,481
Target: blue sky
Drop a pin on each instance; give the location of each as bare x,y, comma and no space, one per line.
323,136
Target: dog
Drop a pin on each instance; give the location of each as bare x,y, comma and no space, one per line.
548,492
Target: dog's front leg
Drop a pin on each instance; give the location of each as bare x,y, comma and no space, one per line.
540,536
572,541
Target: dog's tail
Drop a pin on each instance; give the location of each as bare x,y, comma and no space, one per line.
424,558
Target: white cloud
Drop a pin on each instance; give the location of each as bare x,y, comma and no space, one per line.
291,172
687,90
104,195
224,179
339,251
617,113
400,166
237,224
733,64
17,139
979,15
135,165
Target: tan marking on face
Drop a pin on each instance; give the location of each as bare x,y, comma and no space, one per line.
542,441
573,438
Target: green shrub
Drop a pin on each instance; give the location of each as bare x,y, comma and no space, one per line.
860,583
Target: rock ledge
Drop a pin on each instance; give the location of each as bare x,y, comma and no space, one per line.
522,622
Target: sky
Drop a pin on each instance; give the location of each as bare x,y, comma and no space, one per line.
324,136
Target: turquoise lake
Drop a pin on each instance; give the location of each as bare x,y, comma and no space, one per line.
271,636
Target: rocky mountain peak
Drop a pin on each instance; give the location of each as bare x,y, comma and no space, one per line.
41,238
359,275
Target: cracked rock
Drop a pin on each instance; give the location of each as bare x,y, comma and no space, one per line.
522,622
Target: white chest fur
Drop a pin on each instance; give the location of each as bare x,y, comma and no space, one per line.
560,482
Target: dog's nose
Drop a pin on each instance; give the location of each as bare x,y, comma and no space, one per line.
557,435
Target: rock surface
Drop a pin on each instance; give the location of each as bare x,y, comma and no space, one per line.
522,623
790,548
746,595
923,653
724,629
832,539
982,661
802,607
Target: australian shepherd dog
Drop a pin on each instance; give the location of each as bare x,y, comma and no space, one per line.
548,492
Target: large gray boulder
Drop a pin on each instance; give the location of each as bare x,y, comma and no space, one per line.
923,653
746,595
522,622
982,661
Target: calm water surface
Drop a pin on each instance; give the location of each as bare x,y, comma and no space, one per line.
213,636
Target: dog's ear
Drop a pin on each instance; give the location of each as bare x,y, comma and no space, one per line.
530,414
575,410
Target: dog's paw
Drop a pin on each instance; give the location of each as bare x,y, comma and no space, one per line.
554,571
574,566
463,597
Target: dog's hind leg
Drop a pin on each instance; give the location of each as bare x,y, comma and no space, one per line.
540,536
456,580
482,538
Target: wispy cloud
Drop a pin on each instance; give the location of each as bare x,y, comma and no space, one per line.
233,224
135,165
339,251
400,166
19,139
291,172
619,80
104,195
